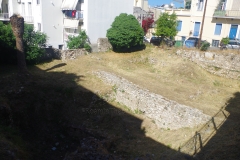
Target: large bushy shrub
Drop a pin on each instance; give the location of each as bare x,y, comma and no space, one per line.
125,33
224,41
34,41
7,44
80,41
204,46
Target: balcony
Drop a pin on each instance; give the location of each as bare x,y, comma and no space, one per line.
227,14
28,19
180,12
71,14
4,16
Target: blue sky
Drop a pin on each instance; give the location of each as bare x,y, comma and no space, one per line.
160,2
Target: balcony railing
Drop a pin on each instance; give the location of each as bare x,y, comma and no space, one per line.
227,13
74,15
4,16
28,19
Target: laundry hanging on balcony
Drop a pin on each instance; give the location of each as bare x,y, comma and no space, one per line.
70,13
73,13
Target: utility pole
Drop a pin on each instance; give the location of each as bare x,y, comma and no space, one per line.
203,18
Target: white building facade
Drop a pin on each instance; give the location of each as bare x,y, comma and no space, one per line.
62,18
222,19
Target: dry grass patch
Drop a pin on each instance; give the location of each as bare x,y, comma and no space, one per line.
65,88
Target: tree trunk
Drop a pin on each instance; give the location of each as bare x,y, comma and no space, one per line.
17,23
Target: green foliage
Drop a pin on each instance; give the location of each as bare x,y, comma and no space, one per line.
188,4
34,41
167,25
225,40
80,41
205,45
125,33
6,36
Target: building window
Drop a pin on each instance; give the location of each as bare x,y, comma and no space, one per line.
179,26
23,9
39,26
196,29
215,43
29,8
60,47
218,29
200,5
38,1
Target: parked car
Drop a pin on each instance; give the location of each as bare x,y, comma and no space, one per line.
169,42
146,40
193,42
156,40
233,44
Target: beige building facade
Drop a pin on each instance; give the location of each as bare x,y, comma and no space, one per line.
222,19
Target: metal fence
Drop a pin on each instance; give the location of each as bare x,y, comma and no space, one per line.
4,16
227,13
202,136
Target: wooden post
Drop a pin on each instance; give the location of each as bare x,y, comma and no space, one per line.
203,18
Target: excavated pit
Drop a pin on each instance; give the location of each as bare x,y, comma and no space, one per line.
166,113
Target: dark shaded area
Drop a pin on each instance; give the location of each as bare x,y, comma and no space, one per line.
129,50
225,144
51,117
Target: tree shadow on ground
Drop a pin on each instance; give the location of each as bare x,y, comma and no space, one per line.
55,118
49,116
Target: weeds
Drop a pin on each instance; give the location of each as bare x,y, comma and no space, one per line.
114,88
137,111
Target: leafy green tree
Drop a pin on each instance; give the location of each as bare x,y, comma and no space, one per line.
125,33
34,41
167,25
80,41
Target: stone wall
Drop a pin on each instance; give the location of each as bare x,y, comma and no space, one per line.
52,53
221,64
103,45
152,105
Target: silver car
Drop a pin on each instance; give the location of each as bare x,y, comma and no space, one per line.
233,44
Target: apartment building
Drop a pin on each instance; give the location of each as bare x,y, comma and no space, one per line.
45,16
62,18
142,4
222,19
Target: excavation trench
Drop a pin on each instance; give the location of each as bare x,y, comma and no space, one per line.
166,113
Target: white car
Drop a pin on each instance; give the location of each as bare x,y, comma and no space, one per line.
145,39
233,44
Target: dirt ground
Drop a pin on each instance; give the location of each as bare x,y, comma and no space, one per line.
52,114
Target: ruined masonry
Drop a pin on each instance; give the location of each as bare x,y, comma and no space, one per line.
167,114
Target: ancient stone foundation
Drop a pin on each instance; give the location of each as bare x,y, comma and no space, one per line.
166,113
